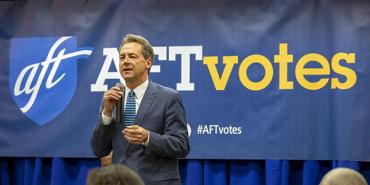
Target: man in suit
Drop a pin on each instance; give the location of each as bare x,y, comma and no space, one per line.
154,132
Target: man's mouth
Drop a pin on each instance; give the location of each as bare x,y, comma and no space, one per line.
127,69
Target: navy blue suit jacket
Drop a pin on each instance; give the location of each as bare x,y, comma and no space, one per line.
162,113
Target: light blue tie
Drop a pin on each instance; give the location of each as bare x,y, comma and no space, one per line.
130,109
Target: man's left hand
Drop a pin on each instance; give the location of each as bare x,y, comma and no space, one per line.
135,134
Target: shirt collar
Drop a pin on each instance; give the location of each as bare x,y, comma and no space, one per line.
140,90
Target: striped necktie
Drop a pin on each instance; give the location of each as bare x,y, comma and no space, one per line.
130,109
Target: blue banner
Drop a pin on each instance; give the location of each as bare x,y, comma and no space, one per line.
259,79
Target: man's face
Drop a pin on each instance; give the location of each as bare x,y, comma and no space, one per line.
133,66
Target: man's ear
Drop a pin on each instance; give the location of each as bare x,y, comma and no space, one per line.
149,63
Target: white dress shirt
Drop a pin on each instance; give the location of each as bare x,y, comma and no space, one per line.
139,94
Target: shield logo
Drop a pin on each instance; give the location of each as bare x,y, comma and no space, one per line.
43,75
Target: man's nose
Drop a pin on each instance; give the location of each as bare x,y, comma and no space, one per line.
125,61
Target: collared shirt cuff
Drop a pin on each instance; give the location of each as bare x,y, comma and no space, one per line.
147,141
106,119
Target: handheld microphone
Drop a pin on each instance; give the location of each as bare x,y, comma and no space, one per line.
119,114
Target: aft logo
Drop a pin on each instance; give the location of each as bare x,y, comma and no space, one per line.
43,75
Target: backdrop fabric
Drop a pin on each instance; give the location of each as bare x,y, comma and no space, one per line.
260,79
225,58
73,171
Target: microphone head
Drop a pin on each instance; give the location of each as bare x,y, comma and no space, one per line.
120,86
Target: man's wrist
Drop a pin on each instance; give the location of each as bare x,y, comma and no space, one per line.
106,119
146,143
107,113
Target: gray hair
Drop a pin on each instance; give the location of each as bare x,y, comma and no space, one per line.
343,176
147,49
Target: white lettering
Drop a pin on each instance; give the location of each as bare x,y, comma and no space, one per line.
45,65
185,52
112,55
161,52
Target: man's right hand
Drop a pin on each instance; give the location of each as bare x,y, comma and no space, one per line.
110,98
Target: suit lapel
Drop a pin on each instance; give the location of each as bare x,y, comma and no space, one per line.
147,100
